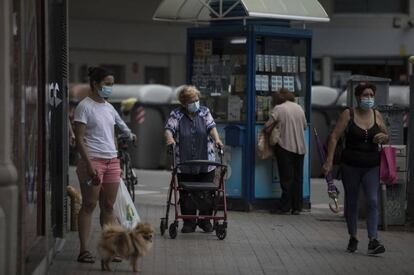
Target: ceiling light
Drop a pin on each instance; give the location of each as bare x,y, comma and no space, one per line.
238,40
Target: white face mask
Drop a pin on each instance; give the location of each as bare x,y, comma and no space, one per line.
193,107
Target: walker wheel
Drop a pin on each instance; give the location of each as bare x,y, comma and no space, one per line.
173,231
163,225
221,232
215,225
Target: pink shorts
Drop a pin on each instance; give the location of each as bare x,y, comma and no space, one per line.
109,170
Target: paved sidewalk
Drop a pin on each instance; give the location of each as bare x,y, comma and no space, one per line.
256,243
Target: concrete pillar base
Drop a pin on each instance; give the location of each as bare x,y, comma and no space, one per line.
8,248
410,212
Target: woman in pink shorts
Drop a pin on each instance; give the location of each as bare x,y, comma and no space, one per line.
98,170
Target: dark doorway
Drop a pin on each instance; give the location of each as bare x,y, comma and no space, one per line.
157,75
118,71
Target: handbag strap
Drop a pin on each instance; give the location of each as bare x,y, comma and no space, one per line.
345,133
351,114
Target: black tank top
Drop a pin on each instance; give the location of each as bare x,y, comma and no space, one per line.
360,150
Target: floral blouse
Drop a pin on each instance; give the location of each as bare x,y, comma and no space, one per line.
203,122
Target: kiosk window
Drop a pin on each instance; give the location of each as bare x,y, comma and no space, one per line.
280,63
219,72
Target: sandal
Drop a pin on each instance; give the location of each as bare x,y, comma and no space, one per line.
86,257
117,259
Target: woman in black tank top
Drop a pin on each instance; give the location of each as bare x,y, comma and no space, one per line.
364,131
360,148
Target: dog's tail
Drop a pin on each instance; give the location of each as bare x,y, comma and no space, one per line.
113,228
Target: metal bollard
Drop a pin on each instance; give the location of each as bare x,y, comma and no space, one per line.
75,203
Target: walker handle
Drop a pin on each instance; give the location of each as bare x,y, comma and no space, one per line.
171,151
220,152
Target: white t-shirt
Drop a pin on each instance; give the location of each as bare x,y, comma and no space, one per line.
100,121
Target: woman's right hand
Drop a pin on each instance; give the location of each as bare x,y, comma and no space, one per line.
327,167
91,170
170,142
72,140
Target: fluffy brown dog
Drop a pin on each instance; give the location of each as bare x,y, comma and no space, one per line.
115,240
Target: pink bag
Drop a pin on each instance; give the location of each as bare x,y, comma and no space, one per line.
388,167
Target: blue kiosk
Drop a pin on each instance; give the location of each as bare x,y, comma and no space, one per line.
246,51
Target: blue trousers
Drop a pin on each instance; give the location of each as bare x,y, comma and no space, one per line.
352,179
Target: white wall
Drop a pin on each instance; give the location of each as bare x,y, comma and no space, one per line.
367,36
151,37
122,33
176,62
119,10
354,35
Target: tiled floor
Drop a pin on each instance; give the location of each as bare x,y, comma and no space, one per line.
256,243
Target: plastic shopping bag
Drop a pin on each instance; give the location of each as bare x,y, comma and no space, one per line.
124,208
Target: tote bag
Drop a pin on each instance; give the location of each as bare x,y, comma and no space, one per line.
274,135
273,130
264,150
388,167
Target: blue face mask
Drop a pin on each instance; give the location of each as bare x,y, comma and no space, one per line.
367,103
193,107
105,91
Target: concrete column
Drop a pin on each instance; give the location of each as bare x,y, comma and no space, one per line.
411,8
410,187
8,175
177,67
327,71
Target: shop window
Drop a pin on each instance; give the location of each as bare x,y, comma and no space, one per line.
317,71
395,69
119,72
83,74
157,75
371,6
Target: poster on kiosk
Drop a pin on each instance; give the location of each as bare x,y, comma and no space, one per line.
245,53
